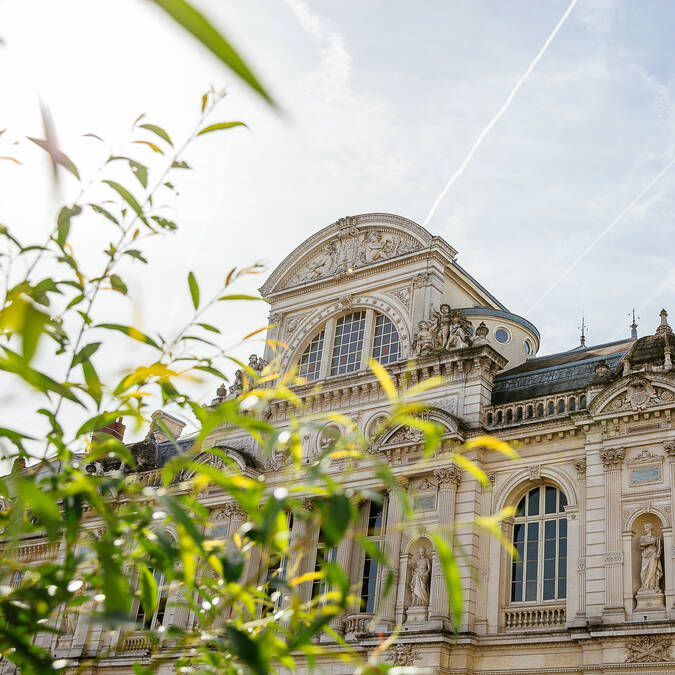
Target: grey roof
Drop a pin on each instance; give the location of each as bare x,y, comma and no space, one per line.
556,373
168,449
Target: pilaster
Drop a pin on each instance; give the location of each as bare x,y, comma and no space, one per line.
448,479
613,559
580,466
669,552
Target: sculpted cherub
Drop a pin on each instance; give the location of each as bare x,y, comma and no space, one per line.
424,340
443,325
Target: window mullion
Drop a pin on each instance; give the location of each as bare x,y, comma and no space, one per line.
328,339
368,336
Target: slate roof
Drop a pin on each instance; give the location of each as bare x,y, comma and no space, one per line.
556,373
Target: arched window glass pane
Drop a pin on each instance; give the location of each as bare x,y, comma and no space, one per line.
573,405
310,361
386,346
561,406
540,410
582,402
348,343
370,566
539,574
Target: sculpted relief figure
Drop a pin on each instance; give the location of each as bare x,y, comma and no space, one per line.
447,329
378,246
322,265
419,580
424,341
650,569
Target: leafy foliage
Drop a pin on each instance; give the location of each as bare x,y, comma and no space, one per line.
120,544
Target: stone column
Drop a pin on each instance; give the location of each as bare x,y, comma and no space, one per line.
393,552
667,533
448,479
611,461
486,508
580,466
627,543
303,552
669,447
344,561
573,527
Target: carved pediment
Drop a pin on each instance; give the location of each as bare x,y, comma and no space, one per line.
348,245
633,394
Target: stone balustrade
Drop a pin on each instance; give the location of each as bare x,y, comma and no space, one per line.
135,645
534,410
522,618
357,624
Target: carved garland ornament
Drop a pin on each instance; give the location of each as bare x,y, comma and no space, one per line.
402,655
649,649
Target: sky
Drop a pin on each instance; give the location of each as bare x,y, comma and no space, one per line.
380,102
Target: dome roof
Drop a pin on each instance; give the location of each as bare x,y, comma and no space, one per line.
651,349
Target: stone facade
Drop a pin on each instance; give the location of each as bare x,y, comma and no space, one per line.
593,490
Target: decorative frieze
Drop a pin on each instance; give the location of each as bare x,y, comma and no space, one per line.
613,558
402,655
649,649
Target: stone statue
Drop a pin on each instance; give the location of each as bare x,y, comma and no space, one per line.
424,340
238,384
419,580
322,265
650,569
447,329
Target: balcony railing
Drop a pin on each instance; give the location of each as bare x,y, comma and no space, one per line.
137,645
357,623
523,618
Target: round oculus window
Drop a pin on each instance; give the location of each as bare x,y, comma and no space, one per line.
502,335
528,347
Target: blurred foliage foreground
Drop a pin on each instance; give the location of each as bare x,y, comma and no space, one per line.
110,536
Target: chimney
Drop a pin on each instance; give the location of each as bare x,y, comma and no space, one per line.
165,427
114,429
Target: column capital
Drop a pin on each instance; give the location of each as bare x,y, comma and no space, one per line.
448,476
669,447
402,482
233,510
580,466
612,458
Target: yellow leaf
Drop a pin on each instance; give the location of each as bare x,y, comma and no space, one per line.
492,443
384,379
308,576
472,468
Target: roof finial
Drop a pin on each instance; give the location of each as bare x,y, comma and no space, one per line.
583,327
664,328
633,327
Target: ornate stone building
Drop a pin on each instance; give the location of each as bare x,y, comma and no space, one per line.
593,589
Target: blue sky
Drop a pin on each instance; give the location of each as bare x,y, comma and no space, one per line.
382,102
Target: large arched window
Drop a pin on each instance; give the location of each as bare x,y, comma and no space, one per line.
344,345
539,572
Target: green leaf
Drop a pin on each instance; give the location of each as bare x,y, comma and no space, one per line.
33,327
93,381
11,362
57,156
134,253
85,353
104,212
453,581
164,223
153,146
194,22
158,131
148,589
194,289
41,504
131,332
63,223
208,326
128,198
239,296
336,513
140,171
220,125
118,284
247,650
180,164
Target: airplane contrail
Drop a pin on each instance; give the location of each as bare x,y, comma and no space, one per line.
590,247
499,114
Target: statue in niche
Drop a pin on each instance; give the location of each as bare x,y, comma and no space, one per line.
651,570
419,579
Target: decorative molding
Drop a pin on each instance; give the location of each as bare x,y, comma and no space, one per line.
402,655
403,295
580,466
649,649
448,475
612,459
669,449
613,558
295,321
421,280
535,471
645,457
581,564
